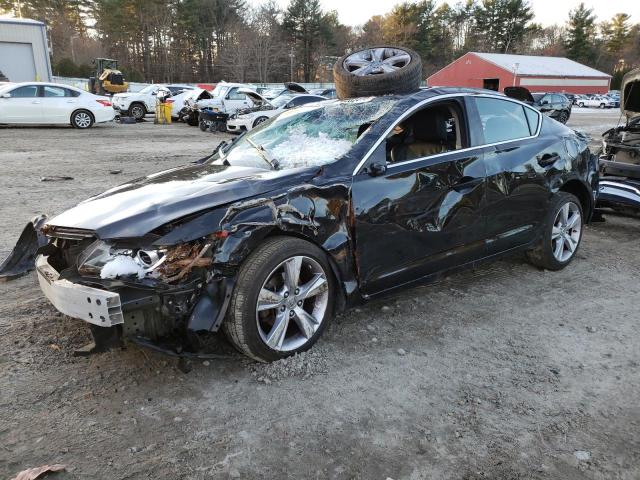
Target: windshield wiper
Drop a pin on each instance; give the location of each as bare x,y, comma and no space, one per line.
263,153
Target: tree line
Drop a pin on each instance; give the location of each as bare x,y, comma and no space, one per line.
212,40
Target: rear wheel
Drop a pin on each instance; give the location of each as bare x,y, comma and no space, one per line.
203,126
563,117
562,233
81,119
282,301
137,111
581,104
602,105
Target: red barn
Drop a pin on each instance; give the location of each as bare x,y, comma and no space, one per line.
539,74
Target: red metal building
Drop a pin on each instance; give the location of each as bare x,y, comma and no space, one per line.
539,74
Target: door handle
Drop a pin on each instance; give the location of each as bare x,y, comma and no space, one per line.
547,159
466,184
36,102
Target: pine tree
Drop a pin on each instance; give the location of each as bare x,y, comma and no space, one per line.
581,30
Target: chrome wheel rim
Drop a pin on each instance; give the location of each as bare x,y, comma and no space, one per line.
566,230
83,120
375,61
137,112
292,303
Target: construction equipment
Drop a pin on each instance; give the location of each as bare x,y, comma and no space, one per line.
108,78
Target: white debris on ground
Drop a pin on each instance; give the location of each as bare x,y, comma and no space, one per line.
122,266
302,365
582,455
302,150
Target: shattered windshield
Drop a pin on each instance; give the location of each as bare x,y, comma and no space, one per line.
316,134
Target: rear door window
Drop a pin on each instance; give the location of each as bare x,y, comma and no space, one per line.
27,91
502,120
50,91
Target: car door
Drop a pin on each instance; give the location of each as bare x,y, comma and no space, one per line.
516,162
235,100
21,105
417,217
57,104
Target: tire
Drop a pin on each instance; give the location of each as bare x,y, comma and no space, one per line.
258,121
137,111
405,79
193,119
546,253
602,105
250,330
581,104
563,117
82,119
203,126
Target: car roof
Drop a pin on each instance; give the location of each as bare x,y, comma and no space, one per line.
50,84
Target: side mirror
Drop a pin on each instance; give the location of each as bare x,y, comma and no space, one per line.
376,169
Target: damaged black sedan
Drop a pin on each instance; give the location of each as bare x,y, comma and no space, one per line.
316,210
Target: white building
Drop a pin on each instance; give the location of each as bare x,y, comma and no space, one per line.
24,51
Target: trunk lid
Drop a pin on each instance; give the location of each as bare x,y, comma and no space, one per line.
630,94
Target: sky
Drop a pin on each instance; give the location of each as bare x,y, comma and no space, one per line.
548,12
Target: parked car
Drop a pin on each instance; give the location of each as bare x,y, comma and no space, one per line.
52,104
620,157
329,93
325,206
244,122
597,101
139,104
287,88
555,105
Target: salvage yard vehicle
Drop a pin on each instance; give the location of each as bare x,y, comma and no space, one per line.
38,103
555,105
597,101
265,110
139,104
620,157
323,207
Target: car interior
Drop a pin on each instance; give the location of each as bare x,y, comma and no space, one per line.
430,131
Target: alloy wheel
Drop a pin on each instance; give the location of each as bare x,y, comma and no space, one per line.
292,303
374,61
566,231
137,112
82,120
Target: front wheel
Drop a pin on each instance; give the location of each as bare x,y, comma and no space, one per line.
563,117
81,119
137,111
259,120
602,105
561,235
282,301
581,104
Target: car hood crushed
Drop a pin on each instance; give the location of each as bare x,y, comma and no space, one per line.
140,206
630,94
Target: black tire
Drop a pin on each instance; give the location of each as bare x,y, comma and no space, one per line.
602,105
404,80
82,119
259,120
203,126
542,254
563,117
241,325
137,110
581,104
193,119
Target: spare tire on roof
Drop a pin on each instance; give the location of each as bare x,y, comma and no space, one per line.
380,70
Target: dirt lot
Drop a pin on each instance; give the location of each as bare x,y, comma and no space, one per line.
505,372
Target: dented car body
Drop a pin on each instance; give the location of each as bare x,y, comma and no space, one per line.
386,192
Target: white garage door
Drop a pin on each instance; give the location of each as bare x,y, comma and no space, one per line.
16,62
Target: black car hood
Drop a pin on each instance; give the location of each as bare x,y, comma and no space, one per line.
519,93
138,207
630,94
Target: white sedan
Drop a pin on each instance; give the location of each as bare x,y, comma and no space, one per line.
38,103
598,101
267,109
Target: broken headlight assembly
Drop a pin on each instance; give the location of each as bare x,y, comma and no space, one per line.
103,260
170,264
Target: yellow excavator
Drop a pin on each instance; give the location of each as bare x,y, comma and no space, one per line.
108,79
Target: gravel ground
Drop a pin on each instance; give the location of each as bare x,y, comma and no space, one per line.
504,372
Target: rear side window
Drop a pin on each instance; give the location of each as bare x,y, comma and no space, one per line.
54,91
235,95
25,92
502,120
533,118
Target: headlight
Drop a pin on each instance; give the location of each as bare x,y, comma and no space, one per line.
106,261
